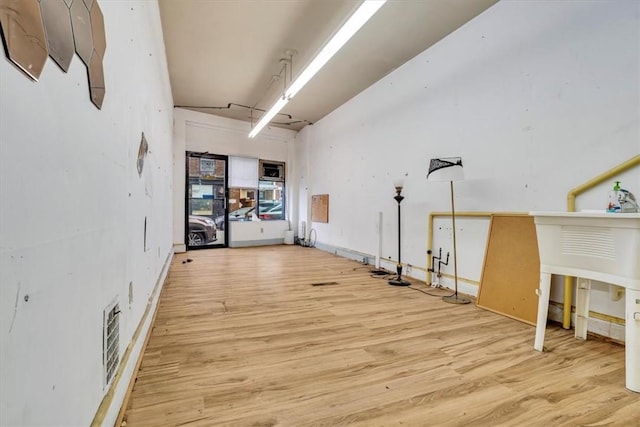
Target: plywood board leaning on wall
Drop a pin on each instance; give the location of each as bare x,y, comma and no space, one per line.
511,269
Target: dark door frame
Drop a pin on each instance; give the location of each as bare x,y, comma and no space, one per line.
206,155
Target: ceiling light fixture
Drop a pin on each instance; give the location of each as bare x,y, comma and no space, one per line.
365,11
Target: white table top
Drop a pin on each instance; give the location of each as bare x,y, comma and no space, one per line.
590,214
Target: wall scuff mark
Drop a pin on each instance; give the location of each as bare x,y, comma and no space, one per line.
15,308
142,153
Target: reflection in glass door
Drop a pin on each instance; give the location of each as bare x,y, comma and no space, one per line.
206,201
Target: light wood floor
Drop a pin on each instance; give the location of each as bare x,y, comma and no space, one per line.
244,338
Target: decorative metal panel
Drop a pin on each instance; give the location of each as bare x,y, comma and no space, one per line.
96,80
81,24
97,29
35,29
24,36
57,25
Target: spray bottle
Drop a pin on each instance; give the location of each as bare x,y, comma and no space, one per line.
614,199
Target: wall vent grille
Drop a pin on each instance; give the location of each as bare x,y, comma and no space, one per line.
111,341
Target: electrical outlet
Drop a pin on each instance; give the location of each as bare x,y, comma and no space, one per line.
409,267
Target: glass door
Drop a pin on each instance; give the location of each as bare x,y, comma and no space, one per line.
206,201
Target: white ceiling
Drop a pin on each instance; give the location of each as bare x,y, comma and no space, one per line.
224,54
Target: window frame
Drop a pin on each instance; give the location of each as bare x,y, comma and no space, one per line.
281,188
268,171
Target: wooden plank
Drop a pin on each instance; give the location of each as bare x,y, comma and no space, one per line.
230,348
511,269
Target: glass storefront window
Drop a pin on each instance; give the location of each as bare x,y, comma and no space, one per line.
271,200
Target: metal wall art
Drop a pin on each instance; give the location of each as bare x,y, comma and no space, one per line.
33,29
57,27
24,38
81,23
97,30
96,74
96,80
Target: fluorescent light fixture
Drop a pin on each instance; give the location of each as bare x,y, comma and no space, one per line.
266,118
355,22
366,10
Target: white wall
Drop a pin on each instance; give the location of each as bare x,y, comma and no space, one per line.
72,211
201,132
254,233
537,97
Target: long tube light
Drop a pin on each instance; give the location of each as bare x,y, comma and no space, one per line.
266,118
366,10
